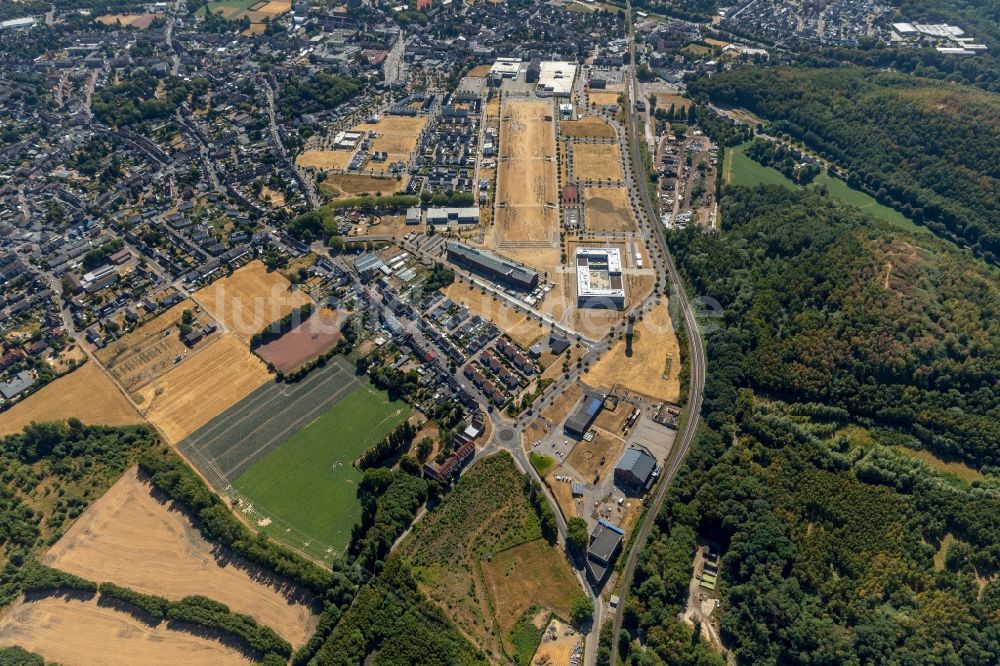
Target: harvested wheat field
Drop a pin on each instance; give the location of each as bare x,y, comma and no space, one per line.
597,161
526,183
86,393
517,325
250,299
75,632
139,357
591,127
132,538
607,209
531,574
276,7
138,21
652,368
202,387
338,184
397,135
325,159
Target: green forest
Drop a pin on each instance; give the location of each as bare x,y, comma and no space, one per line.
844,347
923,147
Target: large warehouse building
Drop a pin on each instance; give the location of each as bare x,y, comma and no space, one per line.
500,270
599,281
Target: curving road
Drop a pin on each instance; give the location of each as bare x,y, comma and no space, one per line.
696,347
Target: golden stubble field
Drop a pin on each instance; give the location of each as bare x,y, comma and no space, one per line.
86,393
527,193
250,299
134,539
591,127
597,161
607,209
72,631
202,387
654,366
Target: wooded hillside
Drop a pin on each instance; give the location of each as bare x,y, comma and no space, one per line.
924,147
845,347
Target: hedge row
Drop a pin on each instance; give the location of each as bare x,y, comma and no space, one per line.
204,612
36,577
276,329
396,442
170,475
209,613
153,605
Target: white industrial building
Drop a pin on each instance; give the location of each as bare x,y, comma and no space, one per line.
556,78
507,68
599,280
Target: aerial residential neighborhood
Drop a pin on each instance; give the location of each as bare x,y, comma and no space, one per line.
519,332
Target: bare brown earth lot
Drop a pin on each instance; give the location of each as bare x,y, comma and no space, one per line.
563,492
132,538
526,182
325,159
201,388
558,650
316,335
532,574
73,632
607,209
86,393
588,126
597,161
139,357
653,368
522,330
586,456
350,184
250,299
479,71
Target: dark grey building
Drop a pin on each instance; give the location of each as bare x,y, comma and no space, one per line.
498,269
635,469
605,543
579,421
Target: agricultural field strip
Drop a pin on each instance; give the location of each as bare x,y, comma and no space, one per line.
226,428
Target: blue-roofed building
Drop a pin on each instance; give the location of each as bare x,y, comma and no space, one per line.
635,469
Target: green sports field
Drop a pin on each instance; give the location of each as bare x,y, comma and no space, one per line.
305,492
738,169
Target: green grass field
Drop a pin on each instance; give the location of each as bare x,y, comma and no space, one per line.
308,486
542,464
738,169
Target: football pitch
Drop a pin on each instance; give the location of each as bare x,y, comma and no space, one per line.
304,493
